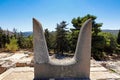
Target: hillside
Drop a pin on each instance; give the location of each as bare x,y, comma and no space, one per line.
6,32
27,33
115,32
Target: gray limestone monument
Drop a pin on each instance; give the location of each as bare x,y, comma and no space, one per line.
78,68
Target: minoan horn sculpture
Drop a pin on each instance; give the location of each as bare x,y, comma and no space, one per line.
75,69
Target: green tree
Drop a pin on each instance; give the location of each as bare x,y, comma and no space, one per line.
47,37
52,43
28,42
7,37
118,38
111,44
61,40
77,24
105,44
1,33
4,40
73,36
15,32
12,46
20,40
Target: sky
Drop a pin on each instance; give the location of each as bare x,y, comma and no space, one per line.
19,13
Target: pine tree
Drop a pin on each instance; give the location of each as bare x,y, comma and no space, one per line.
47,37
118,38
1,32
61,40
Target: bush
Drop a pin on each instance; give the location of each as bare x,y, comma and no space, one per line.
99,55
12,46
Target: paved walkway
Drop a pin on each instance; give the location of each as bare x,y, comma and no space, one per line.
97,72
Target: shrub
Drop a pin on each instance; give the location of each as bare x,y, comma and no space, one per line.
12,46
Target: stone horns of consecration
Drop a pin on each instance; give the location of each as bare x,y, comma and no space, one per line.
78,67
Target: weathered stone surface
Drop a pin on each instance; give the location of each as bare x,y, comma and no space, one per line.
78,67
83,48
40,47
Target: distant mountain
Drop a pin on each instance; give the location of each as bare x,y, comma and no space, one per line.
8,32
115,32
27,33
